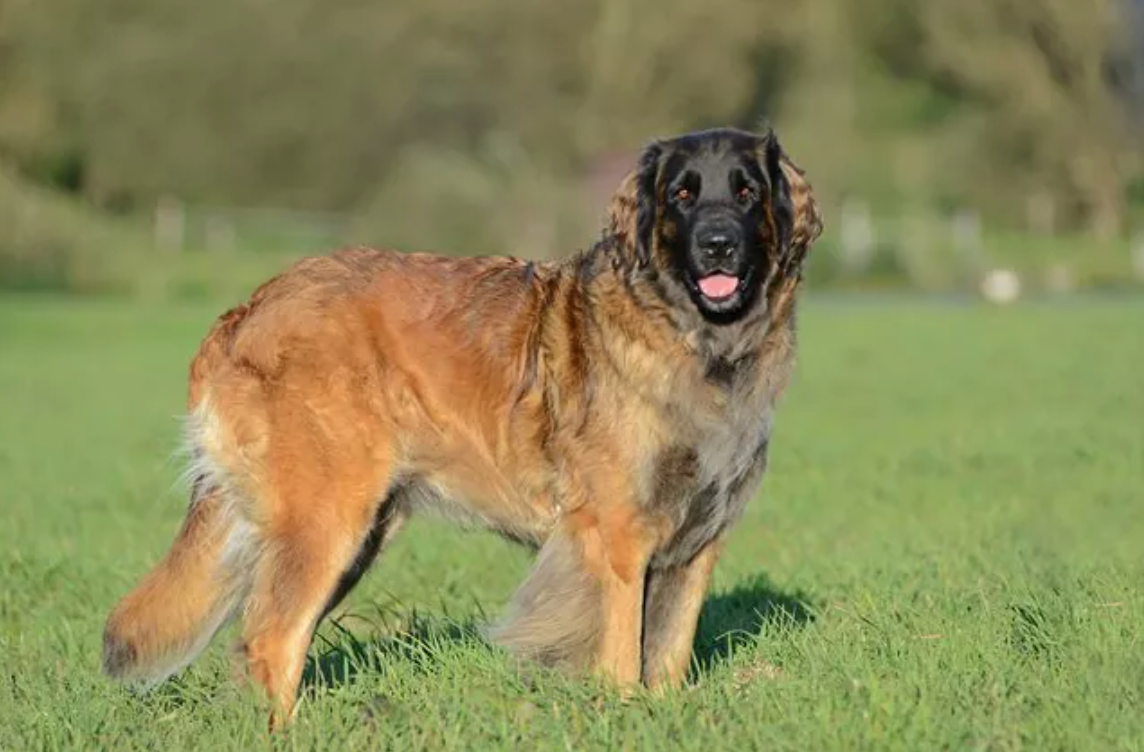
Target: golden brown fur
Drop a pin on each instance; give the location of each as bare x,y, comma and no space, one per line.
573,405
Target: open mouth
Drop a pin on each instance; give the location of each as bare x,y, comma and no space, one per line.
718,287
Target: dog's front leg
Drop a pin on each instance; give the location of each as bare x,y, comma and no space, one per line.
617,544
671,614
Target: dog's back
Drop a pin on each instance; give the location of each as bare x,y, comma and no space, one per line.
320,413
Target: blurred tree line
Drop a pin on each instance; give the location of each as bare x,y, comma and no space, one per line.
398,110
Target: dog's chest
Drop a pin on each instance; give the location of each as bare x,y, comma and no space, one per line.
702,484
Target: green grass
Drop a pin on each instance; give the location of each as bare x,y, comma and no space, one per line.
947,553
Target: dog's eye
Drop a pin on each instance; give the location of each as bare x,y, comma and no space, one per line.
682,194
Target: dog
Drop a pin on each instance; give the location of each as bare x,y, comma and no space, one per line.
612,409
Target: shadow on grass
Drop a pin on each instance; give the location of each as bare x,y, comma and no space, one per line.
419,642
735,618
729,620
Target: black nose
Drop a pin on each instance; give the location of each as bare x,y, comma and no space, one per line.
718,243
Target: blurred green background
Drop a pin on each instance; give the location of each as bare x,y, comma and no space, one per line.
179,149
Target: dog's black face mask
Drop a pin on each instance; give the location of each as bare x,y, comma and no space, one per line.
716,205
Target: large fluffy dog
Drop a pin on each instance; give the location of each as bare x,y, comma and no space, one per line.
612,409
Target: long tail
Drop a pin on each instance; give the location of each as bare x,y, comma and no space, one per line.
554,616
166,621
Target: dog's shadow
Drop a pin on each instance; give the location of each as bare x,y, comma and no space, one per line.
418,641
729,621
735,619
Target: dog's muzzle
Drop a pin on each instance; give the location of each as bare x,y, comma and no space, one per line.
718,260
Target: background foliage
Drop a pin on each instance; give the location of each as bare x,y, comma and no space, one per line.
394,115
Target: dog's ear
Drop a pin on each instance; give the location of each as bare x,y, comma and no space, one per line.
647,202
797,216
632,212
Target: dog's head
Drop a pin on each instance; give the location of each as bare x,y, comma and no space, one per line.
721,215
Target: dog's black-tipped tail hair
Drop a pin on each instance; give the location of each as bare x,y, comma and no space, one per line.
166,621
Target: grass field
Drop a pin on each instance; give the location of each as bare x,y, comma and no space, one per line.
948,552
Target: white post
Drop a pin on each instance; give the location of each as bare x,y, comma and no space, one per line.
170,224
965,231
857,234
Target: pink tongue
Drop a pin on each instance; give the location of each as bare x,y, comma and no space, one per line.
719,285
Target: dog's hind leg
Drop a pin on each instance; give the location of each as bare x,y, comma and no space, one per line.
314,550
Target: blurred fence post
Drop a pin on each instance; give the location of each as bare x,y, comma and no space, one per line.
857,233
967,238
914,246
170,224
